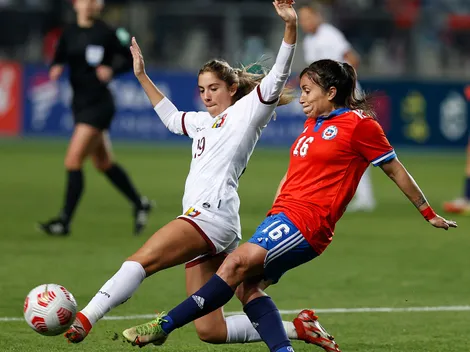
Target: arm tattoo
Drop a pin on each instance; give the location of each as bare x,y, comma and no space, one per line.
419,201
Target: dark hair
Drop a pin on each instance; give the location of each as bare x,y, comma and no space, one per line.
342,76
245,80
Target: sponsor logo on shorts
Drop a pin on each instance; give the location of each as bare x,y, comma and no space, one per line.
192,212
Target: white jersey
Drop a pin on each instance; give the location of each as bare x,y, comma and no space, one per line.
222,145
326,43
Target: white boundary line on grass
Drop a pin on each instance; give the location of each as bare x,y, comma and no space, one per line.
319,310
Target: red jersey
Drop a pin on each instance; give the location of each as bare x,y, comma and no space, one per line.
326,164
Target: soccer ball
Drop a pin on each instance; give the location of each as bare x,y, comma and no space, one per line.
50,309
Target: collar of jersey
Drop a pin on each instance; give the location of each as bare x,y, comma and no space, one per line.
332,114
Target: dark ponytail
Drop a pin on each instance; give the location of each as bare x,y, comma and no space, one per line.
342,76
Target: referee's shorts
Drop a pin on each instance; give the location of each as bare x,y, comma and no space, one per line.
99,116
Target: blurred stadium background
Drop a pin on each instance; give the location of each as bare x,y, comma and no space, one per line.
415,55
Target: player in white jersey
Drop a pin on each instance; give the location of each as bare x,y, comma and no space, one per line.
324,41
239,105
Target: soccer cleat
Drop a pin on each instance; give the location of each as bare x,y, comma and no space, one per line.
150,332
457,206
54,227
310,330
79,329
141,215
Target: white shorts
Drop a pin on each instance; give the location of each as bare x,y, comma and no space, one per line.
221,233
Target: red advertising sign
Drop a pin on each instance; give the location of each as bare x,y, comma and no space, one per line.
10,98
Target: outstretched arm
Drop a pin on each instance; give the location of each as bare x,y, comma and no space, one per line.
173,119
153,93
272,85
397,172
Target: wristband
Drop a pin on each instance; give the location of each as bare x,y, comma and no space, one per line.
428,213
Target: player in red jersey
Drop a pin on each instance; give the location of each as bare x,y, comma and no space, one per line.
340,139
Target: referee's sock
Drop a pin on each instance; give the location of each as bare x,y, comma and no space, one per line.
119,178
72,195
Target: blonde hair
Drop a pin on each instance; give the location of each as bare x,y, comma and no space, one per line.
245,80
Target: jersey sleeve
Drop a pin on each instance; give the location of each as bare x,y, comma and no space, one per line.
179,122
117,53
261,102
60,55
369,141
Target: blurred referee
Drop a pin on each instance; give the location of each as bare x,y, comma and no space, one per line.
94,53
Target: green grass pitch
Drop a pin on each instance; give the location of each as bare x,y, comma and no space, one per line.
388,258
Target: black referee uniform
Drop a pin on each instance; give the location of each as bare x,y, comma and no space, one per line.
83,50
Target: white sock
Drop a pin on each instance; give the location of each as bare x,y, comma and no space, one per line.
364,193
115,291
240,330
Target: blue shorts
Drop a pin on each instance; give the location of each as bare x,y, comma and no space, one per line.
286,246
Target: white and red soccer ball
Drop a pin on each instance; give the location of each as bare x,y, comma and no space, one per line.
50,309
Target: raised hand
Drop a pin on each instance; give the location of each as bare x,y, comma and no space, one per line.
138,59
285,10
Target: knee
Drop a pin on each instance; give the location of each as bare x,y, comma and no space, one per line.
211,333
73,162
234,269
149,261
102,164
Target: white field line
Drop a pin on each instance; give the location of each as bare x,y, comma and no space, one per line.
320,310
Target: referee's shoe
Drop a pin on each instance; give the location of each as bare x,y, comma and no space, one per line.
55,227
141,215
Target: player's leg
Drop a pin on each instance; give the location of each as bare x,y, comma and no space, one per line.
364,197
265,316
214,327
211,328
175,243
276,247
83,141
461,205
245,262
102,158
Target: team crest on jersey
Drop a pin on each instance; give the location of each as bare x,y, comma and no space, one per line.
330,132
192,212
220,121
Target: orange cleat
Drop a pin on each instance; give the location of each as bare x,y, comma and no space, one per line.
310,330
79,329
457,206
